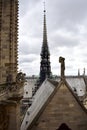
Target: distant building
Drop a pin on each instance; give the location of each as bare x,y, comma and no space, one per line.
8,40
28,92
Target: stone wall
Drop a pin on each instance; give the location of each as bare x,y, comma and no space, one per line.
9,115
63,107
8,39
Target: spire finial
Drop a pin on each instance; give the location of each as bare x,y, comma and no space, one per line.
45,68
44,6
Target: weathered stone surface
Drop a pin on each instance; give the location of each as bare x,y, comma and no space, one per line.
9,115
62,107
11,90
8,39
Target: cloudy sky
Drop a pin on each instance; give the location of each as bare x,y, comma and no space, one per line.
66,30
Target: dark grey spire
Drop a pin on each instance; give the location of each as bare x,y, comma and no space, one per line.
45,68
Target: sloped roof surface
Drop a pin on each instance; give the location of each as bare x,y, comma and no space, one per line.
76,83
40,98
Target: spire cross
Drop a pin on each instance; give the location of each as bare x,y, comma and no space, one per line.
44,6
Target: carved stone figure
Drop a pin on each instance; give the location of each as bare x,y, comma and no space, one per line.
20,78
61,60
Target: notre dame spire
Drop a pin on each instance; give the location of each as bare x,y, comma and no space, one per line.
8,40
45,68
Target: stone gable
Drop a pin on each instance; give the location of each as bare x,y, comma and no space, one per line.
62,107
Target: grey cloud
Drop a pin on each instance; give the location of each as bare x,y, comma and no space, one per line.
27,47
59,41
71,59
67,13
62,15
28,58
26,5
85,60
